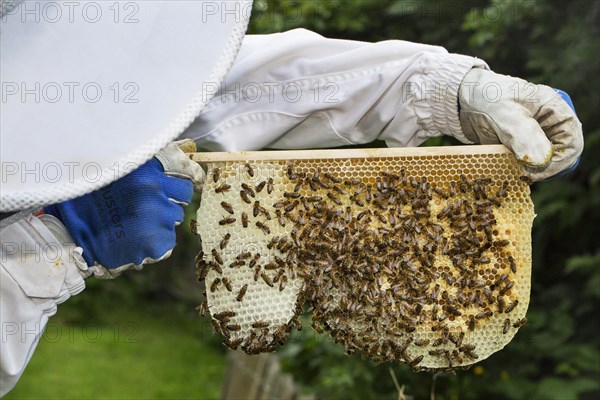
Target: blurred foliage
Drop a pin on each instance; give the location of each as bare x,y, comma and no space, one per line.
557,355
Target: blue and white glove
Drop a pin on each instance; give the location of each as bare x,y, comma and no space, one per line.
537,123
131,222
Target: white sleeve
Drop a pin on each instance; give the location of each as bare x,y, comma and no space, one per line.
38,270
298,90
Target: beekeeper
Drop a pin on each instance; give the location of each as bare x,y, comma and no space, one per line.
94,92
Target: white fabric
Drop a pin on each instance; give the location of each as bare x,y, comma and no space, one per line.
533,121
38,270
298,90
91,89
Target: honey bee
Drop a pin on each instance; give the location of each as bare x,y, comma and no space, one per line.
216,174
234,327
297,323
266,278
244,220
283,283
227,284
280,218
519,323
452,189
194,226
227,207
281,333
501,304
332,178
352,182
235,344
242,293
244,256
260,186
291,195
440,192
215,284
265,229
380,216
457,339
471,323
256,209
501,279
271,266
202,309
249,169
260,324
415,361
254,260
334,198
481,260
290,169
223,188
217,256
501,243
421,342
506,326
257,272
244,196
237,263
471,355
248,189
513,264
494,201
217,327
506,288
290,206
216,267
340,190
225,241
511,306
270,185
225,315
226,221
526,179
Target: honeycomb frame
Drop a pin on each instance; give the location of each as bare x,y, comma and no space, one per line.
267,311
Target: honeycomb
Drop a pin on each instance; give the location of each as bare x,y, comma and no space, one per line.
422,258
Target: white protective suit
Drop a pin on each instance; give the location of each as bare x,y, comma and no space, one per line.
290,90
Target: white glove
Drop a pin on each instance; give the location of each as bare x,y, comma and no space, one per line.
533,121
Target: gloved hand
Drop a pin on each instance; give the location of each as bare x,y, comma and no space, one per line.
131,222
533,121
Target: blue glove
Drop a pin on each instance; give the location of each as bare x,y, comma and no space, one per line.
131,221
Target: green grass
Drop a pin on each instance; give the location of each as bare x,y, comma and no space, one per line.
133,353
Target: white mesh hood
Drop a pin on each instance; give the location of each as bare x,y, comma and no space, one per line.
92,90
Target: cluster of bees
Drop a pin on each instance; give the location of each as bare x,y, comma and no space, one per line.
267,269
382,261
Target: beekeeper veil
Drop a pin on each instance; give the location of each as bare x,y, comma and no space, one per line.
93,89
